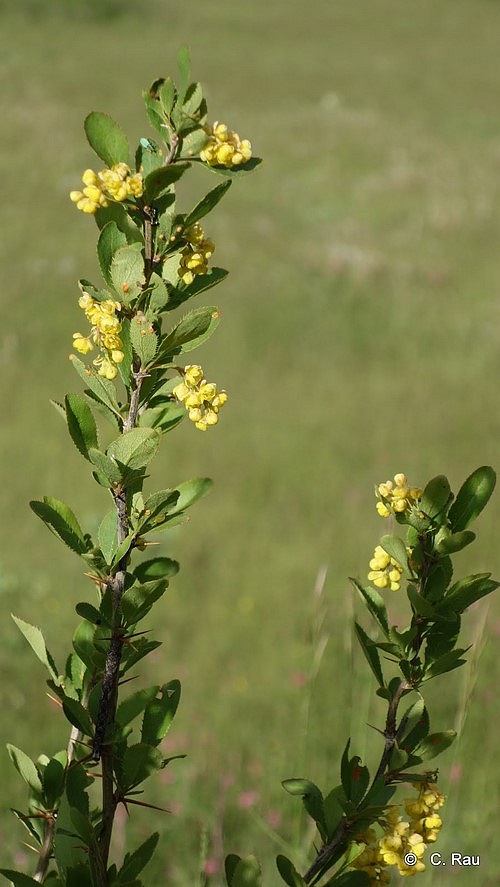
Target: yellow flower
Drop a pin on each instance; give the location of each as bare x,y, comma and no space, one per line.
385,572
135,185
104,332
196,253
82,343
193,374
116,183
106,368
224,147
396,497
201,399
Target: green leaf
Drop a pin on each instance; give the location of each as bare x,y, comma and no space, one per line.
81,423
138,600
61,521
59,408
184,69
155,117
378,795
442,637
288,872
466,591
420,604
192,100
435,499
375,604
371,653
143,338
156,568
89,612
131,707
403,639
148,156
84,646
83,827
102,389
53,779
18,879
37,643
107,535
166,95
207,204
25,820
134,863
201,283
395,547
159,180
448,543
26,769
434,744
142,648
312,799
135,448
163,418
116,212
354,776
159,293
472,498
139,761
189,493
247,873
156,510
106,138
123,549
241,170
192,142
110,240
106,467
447,662
78,716
160,713
230,863
398,759
439,578
127,272
194,329
416,725
334,805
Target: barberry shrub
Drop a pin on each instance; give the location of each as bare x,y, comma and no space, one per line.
154,257
366,830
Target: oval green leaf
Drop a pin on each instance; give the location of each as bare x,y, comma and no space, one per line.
472,497
106,137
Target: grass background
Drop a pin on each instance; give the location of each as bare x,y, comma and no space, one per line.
360,337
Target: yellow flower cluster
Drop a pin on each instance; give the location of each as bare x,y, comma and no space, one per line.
105,332
201,398
117,183
225,148
403,843
396,497
385,572
196,253
423,811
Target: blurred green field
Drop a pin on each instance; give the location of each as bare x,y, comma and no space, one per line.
360,336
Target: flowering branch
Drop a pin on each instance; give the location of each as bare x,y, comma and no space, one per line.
363,832
153,259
